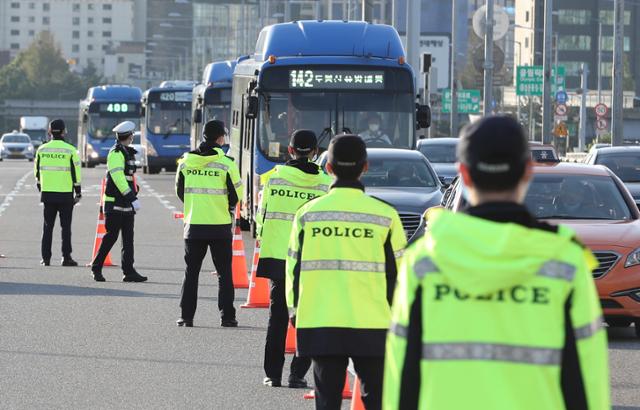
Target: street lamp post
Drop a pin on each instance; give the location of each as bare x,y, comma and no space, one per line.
546,61
617,126
488,59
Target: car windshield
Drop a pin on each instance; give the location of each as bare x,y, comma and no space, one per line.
101,127
625,165
169,118
439,153
330,113
398,172
16,138
576,197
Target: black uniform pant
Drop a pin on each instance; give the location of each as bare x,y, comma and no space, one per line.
114,223
51,210
329,373
194,252
277,336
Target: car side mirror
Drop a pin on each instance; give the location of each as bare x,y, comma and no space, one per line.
251,105
423,116
197,116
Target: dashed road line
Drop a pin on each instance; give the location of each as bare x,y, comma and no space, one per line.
11,195
152,192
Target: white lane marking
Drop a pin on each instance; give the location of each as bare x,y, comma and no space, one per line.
153,193
7,200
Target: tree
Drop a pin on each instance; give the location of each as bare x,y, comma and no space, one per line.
41,72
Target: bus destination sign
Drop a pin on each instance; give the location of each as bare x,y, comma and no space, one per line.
117,107
336,79
176,96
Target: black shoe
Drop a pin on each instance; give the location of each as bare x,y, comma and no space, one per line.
97,276
183,322
229,323
134,277
268,381
45,262
297,383
69,262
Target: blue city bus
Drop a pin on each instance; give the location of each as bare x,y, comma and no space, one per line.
103,108
327,76
212,98
167,123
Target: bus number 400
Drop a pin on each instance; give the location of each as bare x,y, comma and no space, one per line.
117,107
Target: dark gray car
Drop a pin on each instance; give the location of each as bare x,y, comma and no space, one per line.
441,153
404,179
624,162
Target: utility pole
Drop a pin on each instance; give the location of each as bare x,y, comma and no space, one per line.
488,60
453,130
582,127
617,119
367,11
599,70
413,32
547,115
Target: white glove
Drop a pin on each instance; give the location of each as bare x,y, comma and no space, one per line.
136,205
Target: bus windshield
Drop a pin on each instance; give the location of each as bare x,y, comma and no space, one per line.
101,127
216,112
382,119
37,135
169,117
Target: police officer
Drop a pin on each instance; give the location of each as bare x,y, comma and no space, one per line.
120,204
287,188
208,182
494,309
341,272
57,172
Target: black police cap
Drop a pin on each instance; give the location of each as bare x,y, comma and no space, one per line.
496,151
214,129
347,151
303,141
57,127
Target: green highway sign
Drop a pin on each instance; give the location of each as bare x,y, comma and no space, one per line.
468,101
529,79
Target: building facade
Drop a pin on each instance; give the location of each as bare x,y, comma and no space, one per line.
84,30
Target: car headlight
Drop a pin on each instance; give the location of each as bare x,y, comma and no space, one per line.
30,148
151,151
633,259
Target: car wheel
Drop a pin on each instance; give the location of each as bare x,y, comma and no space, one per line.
154,170
30,159
638,329
90,164
618,322
145,169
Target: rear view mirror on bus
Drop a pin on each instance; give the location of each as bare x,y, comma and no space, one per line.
251,105
197,116
143,111
423,116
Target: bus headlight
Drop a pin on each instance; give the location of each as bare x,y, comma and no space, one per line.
91,152
151,151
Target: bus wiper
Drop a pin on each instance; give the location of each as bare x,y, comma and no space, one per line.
346,130
327,132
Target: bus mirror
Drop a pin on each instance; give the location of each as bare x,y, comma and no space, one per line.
85,119
197,116
423,116
251,104
143,111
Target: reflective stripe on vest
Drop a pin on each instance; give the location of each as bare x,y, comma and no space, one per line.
59,150
237,185
116,169
557,270
399,330
218,166
346,217
205,191
399,253
424,266
128,177
356,266
292,254
123,209
283,216
491,352
284,182
49,168
126,192
588,330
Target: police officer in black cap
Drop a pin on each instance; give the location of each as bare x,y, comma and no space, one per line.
286,188
208,183
57,172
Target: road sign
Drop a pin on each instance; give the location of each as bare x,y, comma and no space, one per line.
561,97
601,124
438,45
601,110
468,101
561,109
500,22
529,79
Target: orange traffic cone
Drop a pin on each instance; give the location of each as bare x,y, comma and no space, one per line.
290,344
258,296
239,261
346,391
356,402
101,230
